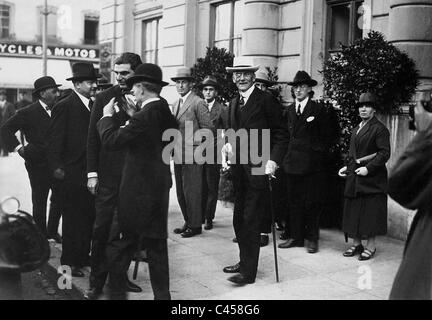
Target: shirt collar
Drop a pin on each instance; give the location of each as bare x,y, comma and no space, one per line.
83,99
302,103
247,93
186,96
210,104
148,101
43,104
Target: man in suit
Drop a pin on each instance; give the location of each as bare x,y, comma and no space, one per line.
34,122
252,109
209,88
190,110
310,135
7,110
104,168
145,182
67,157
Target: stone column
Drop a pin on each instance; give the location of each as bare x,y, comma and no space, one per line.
410,25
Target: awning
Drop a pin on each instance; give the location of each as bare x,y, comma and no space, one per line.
22,72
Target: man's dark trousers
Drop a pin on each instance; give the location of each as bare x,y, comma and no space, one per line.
210,190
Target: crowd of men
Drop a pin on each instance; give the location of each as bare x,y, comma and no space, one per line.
100,154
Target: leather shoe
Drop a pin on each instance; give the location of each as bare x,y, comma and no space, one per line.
284,236
312,247
92,294
132,287
232,269
264,240
190,232
76,272
240,279
291,243
180,230
208,225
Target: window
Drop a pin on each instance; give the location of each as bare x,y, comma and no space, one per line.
51,22
228,26
151,31
91,29
345,21
4,21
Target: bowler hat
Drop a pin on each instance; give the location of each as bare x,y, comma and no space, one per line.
263,78
83,71
302,77
242,68
209,81
183,73
367,98
44,83
148,72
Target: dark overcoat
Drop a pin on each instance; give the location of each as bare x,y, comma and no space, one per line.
372,138
146,177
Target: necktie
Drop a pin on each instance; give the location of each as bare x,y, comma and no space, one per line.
298,110
90,105
242,102
179,106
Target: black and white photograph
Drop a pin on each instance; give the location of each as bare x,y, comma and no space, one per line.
218,153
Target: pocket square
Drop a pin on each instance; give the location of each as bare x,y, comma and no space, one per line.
310,119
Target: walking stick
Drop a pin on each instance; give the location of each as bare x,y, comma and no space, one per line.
273,229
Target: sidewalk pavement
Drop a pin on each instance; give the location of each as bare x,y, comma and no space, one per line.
196,265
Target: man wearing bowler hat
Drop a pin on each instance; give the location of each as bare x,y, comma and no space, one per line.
310,136
67,157
252,109
209,88
34,122
192,114
145,182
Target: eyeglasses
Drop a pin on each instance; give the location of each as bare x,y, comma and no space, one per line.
238,75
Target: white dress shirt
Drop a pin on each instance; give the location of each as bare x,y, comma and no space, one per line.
247,94
302,104
84,100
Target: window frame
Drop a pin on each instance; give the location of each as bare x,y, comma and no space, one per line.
91,17
52,10
156,50
11,8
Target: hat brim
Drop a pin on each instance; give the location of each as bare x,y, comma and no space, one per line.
182,78
242,69
83,78
311,83
45,87
202,85
137,78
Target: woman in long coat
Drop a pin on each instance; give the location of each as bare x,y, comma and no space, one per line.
365,208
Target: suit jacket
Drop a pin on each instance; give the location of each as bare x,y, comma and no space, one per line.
108,164
310,135
146,178
374,137
34,122
68,139
195,112
262,111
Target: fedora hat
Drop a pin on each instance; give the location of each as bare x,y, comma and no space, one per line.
183,73
148,72
44,83
302,77
209,81
83,71
242,68
263,78
367,98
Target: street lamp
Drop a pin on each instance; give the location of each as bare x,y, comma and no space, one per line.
45,14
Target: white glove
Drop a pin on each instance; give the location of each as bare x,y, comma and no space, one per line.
342,172
271,168
227,151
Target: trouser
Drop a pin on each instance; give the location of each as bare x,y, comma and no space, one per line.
305,205
78,218
10,285
189,192
106,207
41,182
210,190
249,207
121,251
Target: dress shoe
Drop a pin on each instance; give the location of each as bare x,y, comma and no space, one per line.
284,236
76,272
232,269
353,250
190,232
132,287
240,279
55,237
291,243
92,294
208,225
367,254
235,240
180,230
312,247
264,240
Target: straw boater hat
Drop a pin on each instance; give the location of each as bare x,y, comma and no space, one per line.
44,83
242,68
147,72
263,78
209,81
83,71
183,74
302,77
